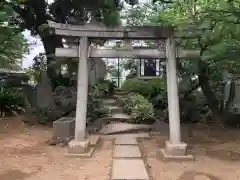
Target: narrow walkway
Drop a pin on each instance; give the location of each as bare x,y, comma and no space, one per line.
127,160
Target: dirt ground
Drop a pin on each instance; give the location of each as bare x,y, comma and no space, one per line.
25,155
217,154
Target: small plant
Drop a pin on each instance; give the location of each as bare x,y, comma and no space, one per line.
94,108
106,86
11,101
137,86
153,90
139,108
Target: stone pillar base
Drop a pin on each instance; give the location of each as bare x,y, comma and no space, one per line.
175,152
79,149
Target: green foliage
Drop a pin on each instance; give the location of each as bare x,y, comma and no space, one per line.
137,86
106,11
139,108
113,71
105,87
153,89
216,27
94,108
12,43
11,101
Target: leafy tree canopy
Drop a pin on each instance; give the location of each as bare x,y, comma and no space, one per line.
218,44
12,43
33,15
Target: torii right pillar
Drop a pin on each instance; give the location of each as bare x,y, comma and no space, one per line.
174,149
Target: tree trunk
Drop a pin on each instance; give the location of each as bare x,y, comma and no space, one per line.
50,43
209,94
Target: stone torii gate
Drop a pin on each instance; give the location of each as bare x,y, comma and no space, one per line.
174,147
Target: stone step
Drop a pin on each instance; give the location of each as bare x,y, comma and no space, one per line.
109,102
114,128
121,93
114,109
94,140
117,117
127,135
119,90
129,169
126,140
126,151
120,116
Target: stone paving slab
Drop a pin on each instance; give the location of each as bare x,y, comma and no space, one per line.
112,107
130,135
109,101
129,169
123,127
93,139
124,140
120,116
126,151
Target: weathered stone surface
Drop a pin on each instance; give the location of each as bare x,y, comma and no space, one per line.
126,151
114,109
93,139
75,147
120,116
123,127
124,140
63,103
65,98
109,101
175,149
43,105
121,93
201,177
64,128
195,175
175,152
44,91
168,157
129,169
129,135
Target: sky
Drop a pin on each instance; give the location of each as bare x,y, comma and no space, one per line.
34,49
38,48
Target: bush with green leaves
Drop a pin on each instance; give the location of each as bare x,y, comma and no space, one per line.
11,101
106,86
137,86
153,89
139,108
94,108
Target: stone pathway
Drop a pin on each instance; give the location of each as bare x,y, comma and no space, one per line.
117,116
127,160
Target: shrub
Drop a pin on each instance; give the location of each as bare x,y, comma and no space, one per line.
107,87
153,89
157,86
94,108
139,108
137,86
11,101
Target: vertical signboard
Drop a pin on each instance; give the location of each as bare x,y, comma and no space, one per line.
149,68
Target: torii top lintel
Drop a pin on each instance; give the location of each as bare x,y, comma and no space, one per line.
97,31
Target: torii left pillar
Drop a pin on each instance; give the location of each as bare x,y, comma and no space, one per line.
80,143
